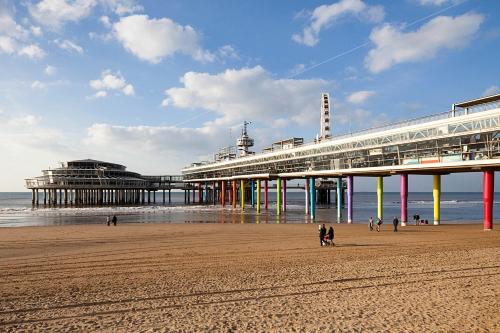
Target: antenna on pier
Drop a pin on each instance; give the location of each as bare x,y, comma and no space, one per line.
325,133
244,142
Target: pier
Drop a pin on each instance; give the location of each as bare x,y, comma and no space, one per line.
93,183
463,139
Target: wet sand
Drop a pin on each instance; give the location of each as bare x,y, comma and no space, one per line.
249,278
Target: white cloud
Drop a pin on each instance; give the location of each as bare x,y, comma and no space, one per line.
361,96
69,46
493,90
393,46
437,2
9,27
36,31
56,13
105,21
249,94
14,38
7,45
154,39
28,120
37,85
129,90
100,94
227,51
110,81
325,15
32,51
157,149
50,70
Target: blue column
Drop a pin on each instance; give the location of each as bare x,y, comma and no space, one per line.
312,197
205,200
252,186
339,199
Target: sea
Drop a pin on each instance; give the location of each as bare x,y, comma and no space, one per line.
16,210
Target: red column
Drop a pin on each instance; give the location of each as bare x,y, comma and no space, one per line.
488,194
223,193
194,193
200,193
265,194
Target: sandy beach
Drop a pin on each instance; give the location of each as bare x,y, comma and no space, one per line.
249,278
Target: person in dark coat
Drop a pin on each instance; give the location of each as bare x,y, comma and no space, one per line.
330,235
322,233
114,220
395,223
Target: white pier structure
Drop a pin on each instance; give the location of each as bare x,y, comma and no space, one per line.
465,139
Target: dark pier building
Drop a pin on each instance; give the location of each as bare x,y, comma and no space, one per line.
91,182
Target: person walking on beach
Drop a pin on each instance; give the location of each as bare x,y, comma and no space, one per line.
330,235
395,223
114,220
322,233
417,219
370,223
379,223
108,220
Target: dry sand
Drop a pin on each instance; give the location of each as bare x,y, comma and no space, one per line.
249,278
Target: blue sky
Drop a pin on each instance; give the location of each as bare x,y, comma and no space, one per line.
156,85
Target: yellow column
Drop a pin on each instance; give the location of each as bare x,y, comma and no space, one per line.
380,197
242,193
436,193
258,195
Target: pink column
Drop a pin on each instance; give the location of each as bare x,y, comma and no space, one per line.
404,199
265,194
488,194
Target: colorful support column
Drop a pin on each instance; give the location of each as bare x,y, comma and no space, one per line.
242,194
200,194
206,193
252,189
258,195
266,194
278,196
349,198
488,197
339,199
235,194
306,188
404,199
223,193
436,193
284,195
312,197
380,197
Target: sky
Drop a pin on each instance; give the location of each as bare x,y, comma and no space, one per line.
156,85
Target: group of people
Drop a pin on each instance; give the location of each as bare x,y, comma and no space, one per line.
395,223
326,237
418,221
110,220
